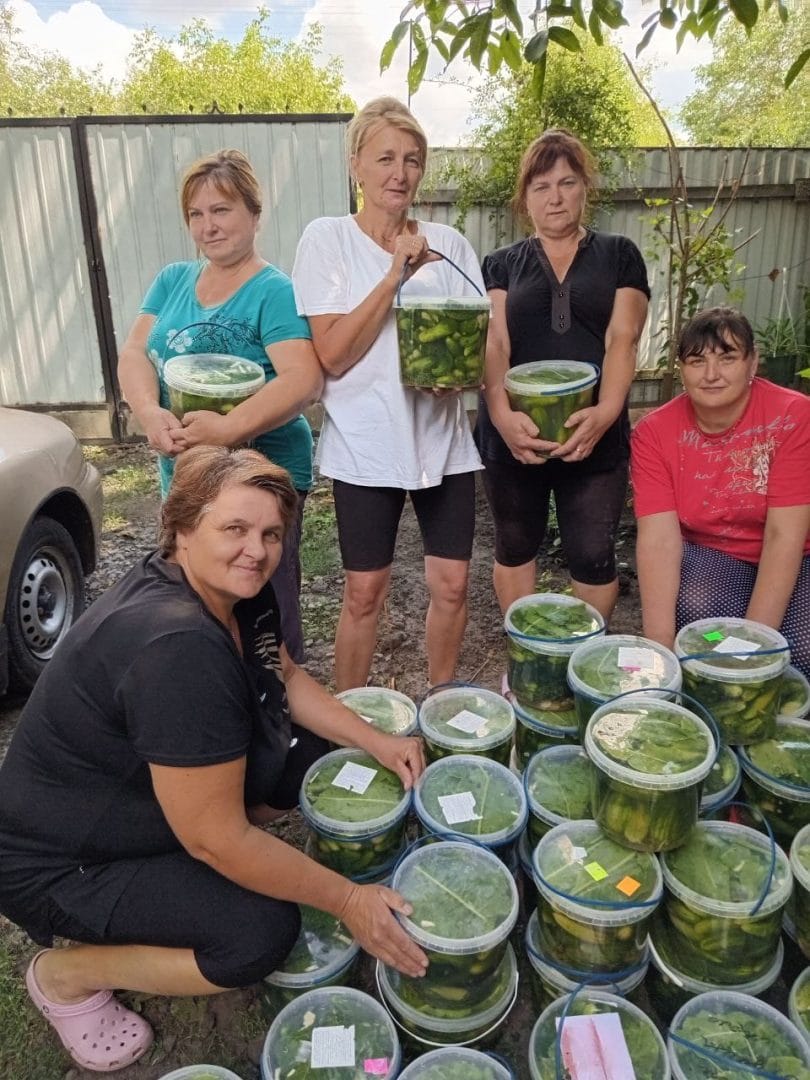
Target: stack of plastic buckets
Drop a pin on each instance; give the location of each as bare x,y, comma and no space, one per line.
466,719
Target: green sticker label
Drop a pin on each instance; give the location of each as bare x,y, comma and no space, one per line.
596,871
715,635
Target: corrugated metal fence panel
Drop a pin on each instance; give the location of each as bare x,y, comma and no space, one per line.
49,350
137,169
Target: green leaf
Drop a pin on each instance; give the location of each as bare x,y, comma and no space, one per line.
595,28
390,47
578,15
441,48
560,35
494,58
796,67
559,9
706,7
462,36
479,39
539,78
510,11
668,18
416,72
611,13
745,11
645,41
536,47
510,49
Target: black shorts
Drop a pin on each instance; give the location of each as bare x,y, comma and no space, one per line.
368,519
589,507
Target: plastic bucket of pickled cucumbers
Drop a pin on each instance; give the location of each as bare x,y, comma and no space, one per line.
799,1003
794,699
331,1032
442,340
453,1014
669,988
525,850
356,811
456,1063
719,1033
465,903
473,796
385,709
603,667
211,381
635,1050
800,904
722,782
537,729
548,982
595,900
726,889
542,630
734,667
558,788
549,391
467,720
776,777
650,759
325,954
200,1072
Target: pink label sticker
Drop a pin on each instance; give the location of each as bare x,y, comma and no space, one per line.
376,1066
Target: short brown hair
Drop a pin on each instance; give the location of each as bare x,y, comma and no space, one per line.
543,154
714,329
230,172
384,112
203,472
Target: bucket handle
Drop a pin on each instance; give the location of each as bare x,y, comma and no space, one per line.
772,867
726,1062
558,1068
606,978
712,655
237,331
451,684
447,260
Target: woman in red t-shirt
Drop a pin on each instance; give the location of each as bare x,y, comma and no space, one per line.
721,485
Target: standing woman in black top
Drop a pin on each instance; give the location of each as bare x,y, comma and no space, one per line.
564,293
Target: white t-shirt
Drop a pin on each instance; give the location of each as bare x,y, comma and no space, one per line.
378,433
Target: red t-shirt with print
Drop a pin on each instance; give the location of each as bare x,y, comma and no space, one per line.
721,486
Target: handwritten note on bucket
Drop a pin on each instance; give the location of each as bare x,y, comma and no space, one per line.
469,722
354,777
458,807
594,1048
332,1048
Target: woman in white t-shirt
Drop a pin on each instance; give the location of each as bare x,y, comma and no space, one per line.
381,440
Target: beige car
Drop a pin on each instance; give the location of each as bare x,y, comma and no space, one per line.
50,528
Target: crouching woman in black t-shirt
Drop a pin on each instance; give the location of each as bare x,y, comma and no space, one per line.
168,726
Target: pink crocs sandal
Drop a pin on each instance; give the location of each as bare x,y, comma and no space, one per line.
100,1034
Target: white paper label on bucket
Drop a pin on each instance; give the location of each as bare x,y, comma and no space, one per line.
354,777
332,1047
469,722
368,719
632,658
459,807
595,1046
736,645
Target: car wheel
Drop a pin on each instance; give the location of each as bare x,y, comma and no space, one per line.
45,597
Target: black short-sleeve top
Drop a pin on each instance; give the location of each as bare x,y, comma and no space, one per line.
549,319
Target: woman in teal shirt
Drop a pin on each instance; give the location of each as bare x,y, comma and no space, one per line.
230,300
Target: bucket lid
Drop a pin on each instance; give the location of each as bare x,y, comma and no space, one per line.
800,857
753,1034
213,375
723,869
799,1003
463,897
722,781
466,718
473,795
614,664
644,1044
551,377
657,745
781,764
584,873
461,1061
551,622
558,784
794,699
714,641
323,948
445,303
556,723
365,1032
401,993
388,710
200,1072
662,958
348,793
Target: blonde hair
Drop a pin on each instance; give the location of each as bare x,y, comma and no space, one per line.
379,113
230,172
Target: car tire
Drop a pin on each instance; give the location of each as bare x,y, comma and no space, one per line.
45,597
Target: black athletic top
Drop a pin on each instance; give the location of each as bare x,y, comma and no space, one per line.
549,319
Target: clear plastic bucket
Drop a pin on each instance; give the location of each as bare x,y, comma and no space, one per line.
595,899
722,782
537,729
474,796
549,391
726,889
776,777
356,811
542,630
212,381
645,1046
442,340
385,709
650,757
800,904
740,689
794,699
465,1015
456,1063
467,720
747,1025
799,1003
558,782
528,889
360,1031
603,667
200,1072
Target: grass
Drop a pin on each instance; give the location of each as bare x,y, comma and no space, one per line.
121,484
27,1047
319,545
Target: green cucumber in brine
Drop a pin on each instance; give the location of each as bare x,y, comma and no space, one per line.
442,348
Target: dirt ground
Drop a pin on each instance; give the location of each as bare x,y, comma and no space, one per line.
228,1030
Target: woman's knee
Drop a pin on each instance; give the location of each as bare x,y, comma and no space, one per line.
447,581
365,592
255,947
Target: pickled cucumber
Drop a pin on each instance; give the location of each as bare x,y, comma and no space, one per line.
549,411
442,346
